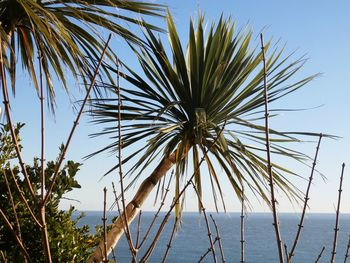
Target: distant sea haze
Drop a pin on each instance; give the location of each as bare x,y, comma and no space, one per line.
191,240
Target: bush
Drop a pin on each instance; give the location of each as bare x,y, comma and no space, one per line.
69,243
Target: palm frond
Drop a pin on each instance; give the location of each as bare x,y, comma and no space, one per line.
189,93
66,33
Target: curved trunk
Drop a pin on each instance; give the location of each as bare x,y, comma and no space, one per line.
132,208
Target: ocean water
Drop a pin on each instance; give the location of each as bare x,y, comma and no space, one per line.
191,240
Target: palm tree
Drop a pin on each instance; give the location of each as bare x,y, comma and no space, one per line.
59,35
65,32
208,97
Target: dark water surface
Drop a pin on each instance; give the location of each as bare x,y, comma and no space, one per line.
191,240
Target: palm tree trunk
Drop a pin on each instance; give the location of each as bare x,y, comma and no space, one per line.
132,208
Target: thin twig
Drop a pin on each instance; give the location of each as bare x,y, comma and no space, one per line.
212,248
157,213
286,251
163,187
13,232
45,235
336,228
138,229
218,238
42,209
113,256
170,240
166,217
24,199
320,255
128,235
13,206
9,120
116,201
206,253
269,166
42,120
306,199
347,251
104,219
242,227
75,124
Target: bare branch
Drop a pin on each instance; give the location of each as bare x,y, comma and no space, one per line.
163,187
75,124
170,240
206,253
128,235
286,251
9,120
120,215
24,199
242,227
218,238
13,206
104,219
306,199
336,228
158,211
42,209
138,229
269,166
212,248
320,255
347,251
13,232
113,256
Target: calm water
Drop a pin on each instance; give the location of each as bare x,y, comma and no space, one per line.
191,240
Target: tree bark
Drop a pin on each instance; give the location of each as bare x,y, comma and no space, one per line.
132,208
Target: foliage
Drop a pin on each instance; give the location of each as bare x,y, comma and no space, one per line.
188,96
66,32
6,143
69,242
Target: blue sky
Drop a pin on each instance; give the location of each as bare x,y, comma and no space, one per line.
319,29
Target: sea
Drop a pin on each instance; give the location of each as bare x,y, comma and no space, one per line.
191,242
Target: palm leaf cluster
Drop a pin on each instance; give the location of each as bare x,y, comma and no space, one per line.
208,96
65,33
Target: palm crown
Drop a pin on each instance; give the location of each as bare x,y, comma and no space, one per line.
65,32
204,97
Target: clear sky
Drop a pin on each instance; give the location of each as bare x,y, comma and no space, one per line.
320,29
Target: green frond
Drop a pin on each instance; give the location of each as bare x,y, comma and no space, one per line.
66,33
188,94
